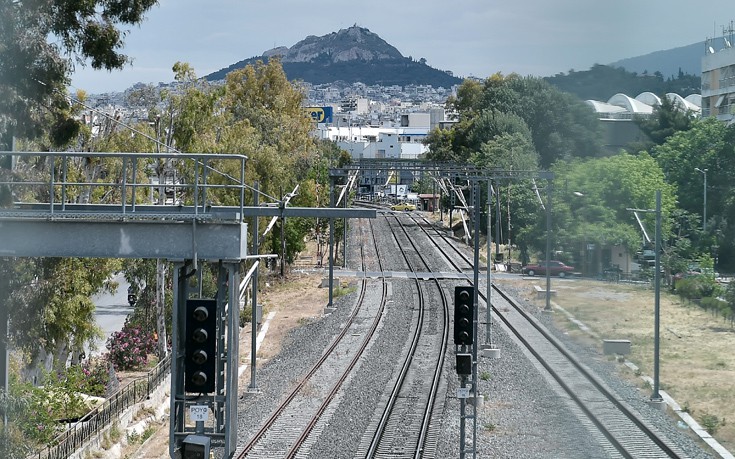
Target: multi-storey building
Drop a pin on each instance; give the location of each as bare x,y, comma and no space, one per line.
718,79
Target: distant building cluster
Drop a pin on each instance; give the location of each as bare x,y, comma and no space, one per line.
380,122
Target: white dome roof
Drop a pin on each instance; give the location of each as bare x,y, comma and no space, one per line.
649,98
684,104
632,105
604,107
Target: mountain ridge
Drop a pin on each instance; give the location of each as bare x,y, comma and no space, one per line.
356,54
350,55
670,62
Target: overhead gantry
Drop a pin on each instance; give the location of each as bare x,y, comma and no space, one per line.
153,206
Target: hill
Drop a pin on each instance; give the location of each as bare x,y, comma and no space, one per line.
351,55
602,82
685,59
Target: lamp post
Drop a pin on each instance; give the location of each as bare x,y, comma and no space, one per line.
656,395
704,211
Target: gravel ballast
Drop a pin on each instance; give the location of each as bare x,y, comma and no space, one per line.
523,415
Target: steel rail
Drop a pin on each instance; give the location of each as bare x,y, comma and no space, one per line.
373,449
273,418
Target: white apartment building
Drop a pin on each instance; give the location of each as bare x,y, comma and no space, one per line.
377,142
718,80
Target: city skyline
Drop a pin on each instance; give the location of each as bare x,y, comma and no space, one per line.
472,38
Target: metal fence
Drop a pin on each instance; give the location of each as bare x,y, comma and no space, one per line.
101,417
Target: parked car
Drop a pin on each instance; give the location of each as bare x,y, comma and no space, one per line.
403,206
556,268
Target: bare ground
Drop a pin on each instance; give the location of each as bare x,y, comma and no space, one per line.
696,364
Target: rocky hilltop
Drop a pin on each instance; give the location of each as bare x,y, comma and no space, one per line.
353,44
350,55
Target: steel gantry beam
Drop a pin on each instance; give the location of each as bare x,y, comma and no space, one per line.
183,228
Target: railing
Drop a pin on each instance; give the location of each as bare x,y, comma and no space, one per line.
58,182
101,417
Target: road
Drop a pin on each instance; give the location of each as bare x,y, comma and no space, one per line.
110,312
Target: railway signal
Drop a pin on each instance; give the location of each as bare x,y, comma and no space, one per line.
464,314
200,346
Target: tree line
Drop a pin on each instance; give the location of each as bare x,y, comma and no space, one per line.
526,123
601,82
257,112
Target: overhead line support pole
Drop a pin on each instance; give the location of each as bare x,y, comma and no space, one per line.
253,386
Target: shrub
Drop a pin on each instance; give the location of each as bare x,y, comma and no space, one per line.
12,443
129,348
96,377
699,286
41,412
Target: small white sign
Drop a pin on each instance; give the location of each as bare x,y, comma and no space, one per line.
199,413
463,392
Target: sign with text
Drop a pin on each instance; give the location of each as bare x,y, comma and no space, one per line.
199,413
463,392
320,114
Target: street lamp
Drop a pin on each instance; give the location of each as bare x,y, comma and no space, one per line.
704,212
656,395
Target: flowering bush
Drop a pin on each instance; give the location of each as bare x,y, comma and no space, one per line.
129,348
96,377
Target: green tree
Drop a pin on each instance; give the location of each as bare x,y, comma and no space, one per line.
507,152
667,119
51,311
592,198
560,125
42,42
707,145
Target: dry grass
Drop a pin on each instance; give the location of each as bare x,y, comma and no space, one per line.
697,362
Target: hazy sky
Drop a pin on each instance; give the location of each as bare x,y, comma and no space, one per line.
468,37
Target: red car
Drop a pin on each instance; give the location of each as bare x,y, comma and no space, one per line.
556,268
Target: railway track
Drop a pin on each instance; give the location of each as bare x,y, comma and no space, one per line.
287,430
404,427
618,428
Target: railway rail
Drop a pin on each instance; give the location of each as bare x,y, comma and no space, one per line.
403,424
287,429
620,430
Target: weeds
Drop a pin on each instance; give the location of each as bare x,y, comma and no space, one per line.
710,423
341,291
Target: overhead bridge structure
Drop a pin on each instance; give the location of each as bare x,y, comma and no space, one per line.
149,206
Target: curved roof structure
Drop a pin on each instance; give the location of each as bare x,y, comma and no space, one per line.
649,98
622,106
684,104
632,105
604,107
696,99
